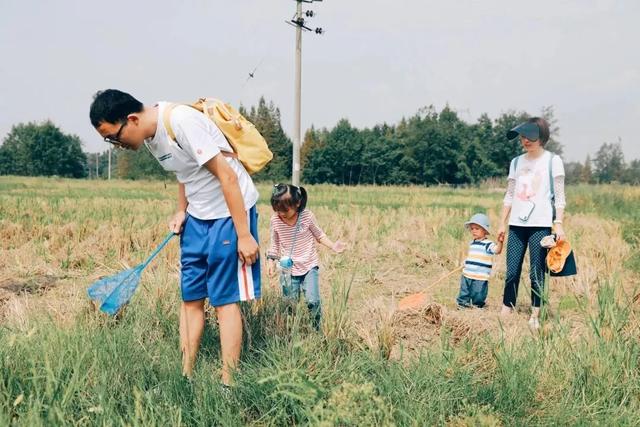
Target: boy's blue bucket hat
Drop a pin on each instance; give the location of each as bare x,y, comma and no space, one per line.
479,219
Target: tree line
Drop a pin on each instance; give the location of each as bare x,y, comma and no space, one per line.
431,147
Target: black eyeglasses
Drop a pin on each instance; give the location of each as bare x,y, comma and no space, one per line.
115,140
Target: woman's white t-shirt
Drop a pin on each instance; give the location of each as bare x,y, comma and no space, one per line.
532,197
198,140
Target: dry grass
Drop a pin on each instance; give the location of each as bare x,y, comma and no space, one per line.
58,237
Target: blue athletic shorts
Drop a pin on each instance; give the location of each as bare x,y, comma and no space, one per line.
210,267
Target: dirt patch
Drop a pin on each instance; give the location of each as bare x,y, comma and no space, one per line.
36,285
13,289
414,329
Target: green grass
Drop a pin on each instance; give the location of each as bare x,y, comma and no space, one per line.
104,372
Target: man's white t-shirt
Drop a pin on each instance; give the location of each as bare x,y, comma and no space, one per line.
198,140
533,190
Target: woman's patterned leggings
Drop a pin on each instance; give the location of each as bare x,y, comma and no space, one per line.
519,238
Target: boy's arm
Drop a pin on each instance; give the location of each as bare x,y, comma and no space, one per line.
176,222
248,249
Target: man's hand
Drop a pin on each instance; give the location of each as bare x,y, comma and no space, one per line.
248,250
176,222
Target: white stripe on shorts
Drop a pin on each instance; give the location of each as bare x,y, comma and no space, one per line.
245,275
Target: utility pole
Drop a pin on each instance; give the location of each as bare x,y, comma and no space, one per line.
299,22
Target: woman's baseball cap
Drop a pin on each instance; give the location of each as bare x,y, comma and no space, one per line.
531,131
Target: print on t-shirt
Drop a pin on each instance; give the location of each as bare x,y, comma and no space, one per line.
528,183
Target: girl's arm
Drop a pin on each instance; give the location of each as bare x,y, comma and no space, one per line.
273,251
274,244
337,246
322,238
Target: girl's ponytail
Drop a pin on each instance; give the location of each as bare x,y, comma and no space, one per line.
303,198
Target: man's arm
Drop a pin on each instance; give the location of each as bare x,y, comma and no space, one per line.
176,222
248,249
182,198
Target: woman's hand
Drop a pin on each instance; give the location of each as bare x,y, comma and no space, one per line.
501,233
560,234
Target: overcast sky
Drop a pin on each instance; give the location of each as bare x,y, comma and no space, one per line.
377,62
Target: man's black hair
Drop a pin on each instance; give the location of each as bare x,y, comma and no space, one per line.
112,106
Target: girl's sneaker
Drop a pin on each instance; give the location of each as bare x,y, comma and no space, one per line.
534,323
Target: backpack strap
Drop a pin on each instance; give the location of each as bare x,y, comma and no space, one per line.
551,185
515,163
166,121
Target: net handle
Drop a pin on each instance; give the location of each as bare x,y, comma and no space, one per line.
159,248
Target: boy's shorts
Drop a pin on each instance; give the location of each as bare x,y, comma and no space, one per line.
210,266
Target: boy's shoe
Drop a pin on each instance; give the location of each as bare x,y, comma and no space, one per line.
534,323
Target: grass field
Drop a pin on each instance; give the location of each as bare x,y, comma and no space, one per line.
63,363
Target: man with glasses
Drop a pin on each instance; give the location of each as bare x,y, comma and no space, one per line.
216,214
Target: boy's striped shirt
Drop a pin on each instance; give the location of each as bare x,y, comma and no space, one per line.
478,264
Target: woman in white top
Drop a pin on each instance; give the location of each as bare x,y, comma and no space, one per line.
535,190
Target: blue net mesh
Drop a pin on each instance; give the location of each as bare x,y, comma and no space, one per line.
114,291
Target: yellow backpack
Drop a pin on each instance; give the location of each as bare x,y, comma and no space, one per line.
248,145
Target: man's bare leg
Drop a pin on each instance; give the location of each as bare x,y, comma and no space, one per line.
230,321
191,329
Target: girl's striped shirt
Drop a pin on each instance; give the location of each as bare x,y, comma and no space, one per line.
305,255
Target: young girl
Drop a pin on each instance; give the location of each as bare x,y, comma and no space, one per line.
294,231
